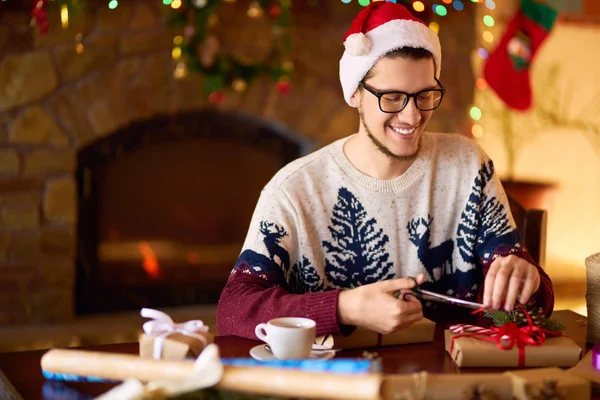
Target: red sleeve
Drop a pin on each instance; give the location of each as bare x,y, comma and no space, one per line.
544,296
250,298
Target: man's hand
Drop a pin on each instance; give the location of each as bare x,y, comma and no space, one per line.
507,278
374,306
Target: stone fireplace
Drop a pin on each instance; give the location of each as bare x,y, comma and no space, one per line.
164,205
64,116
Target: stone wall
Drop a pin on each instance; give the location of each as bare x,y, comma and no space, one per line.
54,100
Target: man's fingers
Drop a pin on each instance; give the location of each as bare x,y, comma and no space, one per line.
529,287
500,285
393,285
488,286
514,286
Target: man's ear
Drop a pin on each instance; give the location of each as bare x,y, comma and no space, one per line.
355,99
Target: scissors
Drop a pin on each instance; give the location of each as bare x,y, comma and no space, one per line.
428,295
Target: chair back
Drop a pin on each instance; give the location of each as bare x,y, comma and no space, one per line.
532,226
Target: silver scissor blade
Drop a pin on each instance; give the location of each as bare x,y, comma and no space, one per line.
433,296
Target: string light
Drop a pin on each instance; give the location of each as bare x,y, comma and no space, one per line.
475,113
167,2
488,20
481,84
363,3
78,44
175,4
458,5
346,1
112,4
488,36
434,27
64,16
490,4
440,10
447,1
477,131
483,53
418,6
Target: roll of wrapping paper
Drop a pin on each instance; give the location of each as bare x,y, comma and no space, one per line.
592,297
279,382
444,386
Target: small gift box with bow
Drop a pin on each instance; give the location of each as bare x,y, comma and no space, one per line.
509,346
164,339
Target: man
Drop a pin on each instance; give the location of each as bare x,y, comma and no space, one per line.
332,231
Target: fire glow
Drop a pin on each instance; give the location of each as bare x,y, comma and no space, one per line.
150,262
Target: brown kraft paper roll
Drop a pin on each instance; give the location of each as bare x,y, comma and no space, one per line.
279,382
471,352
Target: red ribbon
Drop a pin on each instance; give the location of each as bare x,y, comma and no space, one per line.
509,335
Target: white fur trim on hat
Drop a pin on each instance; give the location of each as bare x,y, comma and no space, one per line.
383,39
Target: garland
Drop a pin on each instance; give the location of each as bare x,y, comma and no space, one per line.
197,49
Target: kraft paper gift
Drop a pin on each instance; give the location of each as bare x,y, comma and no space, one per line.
527,384
585,369
167,340
419,332
472,352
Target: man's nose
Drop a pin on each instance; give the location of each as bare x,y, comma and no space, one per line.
410,114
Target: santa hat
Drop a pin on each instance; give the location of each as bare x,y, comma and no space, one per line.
379,28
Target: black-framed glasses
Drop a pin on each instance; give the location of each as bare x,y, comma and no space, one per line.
393,102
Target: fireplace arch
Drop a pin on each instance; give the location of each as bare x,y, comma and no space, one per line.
164,205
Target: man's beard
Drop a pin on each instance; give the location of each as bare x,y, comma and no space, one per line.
381,147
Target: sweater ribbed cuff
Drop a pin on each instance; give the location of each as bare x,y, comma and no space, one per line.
322,308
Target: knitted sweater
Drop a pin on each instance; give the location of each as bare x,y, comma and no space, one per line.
321,226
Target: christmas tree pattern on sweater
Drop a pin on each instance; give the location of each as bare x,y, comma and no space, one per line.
357,253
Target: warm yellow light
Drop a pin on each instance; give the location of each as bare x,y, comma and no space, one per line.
175,4
481,84
255,10
176,53
239,85
181,71
477,131
79,48
64,16
418,6
434,26
488,36
177,40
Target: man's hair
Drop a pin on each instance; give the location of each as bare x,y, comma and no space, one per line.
413,53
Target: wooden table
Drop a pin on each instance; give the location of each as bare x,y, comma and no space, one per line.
24,372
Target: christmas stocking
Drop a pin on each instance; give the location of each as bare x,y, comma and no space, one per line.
507,67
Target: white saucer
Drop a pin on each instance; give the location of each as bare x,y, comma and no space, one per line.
262,354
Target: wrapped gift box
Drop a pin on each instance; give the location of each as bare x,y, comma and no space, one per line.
419,332
471,352
164,339
527,384
177,346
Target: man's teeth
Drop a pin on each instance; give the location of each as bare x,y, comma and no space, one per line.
403,131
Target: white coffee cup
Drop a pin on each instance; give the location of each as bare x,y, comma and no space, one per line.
289,337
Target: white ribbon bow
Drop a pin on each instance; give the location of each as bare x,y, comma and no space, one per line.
162,326
207,372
